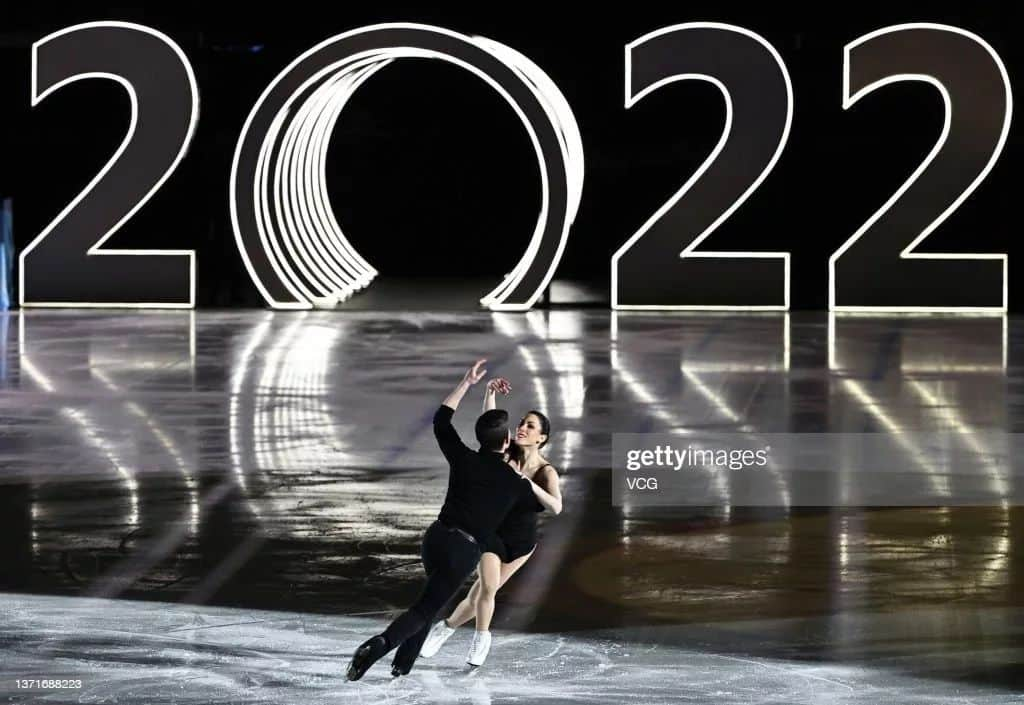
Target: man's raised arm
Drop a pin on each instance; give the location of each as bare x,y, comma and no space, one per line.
447,437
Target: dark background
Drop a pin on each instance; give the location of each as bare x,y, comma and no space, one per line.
431,174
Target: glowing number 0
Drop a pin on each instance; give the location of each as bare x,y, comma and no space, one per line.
288,237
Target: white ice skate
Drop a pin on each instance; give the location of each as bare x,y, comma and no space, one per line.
438,635
479,648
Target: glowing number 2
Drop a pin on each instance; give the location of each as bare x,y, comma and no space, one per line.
649,271
66,264
878,267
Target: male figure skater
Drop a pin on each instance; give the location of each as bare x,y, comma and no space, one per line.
482,490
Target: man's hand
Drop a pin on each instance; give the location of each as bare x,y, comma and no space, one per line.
475,373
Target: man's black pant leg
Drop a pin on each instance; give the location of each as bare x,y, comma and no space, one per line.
449,558
409,650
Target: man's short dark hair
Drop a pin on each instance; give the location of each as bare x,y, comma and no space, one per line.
492,429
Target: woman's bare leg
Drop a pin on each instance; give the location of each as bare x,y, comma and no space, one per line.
466,609
509,569
490,577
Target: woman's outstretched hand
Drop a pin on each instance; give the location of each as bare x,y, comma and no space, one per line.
499,385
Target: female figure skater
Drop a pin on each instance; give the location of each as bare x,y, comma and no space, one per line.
516,536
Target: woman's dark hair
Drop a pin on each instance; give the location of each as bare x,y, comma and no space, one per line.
514,451
545,425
